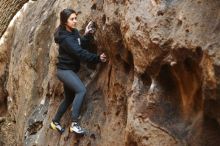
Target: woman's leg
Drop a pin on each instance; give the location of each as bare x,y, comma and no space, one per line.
72,81
69,96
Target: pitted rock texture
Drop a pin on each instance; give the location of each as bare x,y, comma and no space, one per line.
160,86
8,8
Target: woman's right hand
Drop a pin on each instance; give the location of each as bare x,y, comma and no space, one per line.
103,57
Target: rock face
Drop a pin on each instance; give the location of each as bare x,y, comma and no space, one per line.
160,86
8,8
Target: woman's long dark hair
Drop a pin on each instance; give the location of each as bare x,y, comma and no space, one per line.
64,15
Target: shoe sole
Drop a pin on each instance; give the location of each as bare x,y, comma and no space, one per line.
72,131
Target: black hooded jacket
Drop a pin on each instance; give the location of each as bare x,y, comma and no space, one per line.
71,50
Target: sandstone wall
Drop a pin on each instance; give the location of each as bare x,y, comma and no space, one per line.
8,8
160,85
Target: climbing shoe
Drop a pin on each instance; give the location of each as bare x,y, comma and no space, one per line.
56,126
76,128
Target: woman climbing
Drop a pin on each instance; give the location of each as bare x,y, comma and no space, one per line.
70,53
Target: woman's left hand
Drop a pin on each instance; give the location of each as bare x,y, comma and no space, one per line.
89,28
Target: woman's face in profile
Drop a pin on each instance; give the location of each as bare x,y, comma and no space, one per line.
72,21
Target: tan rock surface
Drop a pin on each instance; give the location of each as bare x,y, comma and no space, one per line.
8,8
160,86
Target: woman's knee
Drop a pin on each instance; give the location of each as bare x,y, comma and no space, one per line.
83,90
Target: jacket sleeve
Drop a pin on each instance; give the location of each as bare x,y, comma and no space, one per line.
72,47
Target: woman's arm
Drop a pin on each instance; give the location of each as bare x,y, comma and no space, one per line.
87,38
74,49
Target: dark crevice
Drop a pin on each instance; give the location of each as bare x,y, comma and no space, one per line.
109,76
103,19
189,64
210,133
145,77
130,62
131,143
93,7
127,67
199,52
165,111
34,128
167,80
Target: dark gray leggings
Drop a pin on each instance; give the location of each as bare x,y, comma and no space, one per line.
74,91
